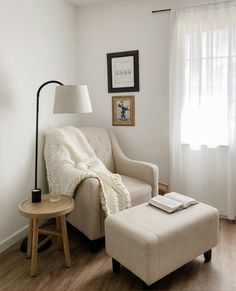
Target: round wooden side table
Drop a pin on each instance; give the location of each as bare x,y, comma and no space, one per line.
43,210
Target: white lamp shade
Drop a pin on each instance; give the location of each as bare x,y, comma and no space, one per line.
72,99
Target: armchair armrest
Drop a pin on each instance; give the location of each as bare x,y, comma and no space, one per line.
88,216
141,170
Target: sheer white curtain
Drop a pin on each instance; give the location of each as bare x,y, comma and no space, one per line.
203,104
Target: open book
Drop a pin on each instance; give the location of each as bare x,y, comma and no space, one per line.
172,201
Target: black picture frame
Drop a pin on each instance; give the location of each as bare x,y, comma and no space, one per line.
128,71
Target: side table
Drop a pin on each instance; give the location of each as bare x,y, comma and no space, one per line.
43,210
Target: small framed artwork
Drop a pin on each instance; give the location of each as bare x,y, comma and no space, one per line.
123,71
123,111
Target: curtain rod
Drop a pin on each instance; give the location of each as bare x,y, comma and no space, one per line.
162,10
202,4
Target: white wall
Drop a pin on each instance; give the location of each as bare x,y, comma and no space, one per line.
37,44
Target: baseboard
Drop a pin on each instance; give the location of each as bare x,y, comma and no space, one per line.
226,217
12,239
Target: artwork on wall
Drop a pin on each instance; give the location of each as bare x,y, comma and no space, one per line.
123,110
123,71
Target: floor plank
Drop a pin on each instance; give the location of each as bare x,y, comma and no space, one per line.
93,271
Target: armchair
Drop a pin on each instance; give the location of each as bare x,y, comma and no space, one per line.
140,178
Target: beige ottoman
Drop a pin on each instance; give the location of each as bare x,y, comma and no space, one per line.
152,243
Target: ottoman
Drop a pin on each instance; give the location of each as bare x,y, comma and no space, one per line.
152,243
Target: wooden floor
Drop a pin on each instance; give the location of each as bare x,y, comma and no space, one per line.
91,271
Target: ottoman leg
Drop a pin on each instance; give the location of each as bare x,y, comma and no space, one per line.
207,256
115,266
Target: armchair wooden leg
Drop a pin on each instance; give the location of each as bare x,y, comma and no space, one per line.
93,246
207,256
115,266
96,245
147,287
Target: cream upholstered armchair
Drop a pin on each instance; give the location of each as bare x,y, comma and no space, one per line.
141,180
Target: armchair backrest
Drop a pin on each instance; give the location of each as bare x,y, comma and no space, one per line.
100,142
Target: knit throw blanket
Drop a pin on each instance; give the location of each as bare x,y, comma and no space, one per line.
70,159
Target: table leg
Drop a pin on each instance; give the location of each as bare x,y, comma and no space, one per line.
33,270
65,241
29,240
58,226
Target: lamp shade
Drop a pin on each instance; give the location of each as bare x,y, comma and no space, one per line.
72,99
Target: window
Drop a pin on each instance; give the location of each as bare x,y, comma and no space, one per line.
208,56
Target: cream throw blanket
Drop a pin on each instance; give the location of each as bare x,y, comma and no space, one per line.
70,159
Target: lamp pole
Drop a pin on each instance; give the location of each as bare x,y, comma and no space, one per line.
36,192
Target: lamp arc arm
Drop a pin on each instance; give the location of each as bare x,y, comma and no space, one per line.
37,119
41,87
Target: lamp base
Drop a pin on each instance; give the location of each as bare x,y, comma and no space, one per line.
36,196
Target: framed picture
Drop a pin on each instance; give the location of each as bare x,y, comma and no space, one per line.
123,71
123,110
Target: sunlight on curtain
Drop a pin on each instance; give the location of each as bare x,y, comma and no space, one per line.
202,104
205,111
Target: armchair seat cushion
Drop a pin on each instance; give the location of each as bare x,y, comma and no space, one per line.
139,190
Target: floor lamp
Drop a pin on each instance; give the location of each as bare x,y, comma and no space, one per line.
68,99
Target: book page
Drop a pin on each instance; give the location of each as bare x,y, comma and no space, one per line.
165,203
185,200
